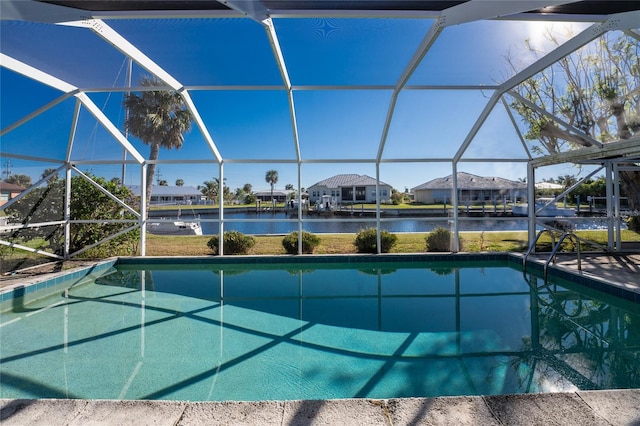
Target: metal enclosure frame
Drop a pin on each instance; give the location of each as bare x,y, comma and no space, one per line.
608,155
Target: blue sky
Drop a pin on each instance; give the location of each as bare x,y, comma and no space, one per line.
256,124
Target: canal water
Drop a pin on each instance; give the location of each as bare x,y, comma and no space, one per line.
261,223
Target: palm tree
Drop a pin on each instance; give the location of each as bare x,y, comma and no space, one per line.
209,190
48,172
159,118
271,178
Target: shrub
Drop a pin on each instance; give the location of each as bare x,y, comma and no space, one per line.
309,242
234,243
634,223
366,241
440,239
397,198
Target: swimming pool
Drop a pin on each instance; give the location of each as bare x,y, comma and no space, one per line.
316,330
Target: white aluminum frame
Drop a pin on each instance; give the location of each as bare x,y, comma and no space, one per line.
474,10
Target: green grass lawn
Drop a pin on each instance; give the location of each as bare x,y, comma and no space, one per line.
157,245
515,241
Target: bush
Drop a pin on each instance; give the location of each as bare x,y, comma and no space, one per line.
634,224
234,243
309,242
366,241
440,239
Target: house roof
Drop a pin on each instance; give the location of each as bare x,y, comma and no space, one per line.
338,181
167,190
469,181
4,186
548,185
275,192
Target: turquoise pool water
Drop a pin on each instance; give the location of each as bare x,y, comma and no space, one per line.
316,331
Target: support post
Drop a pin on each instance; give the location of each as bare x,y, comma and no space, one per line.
378,238
221,209
531,205
143,210
454,199
67,212
609,192
299,208
616,206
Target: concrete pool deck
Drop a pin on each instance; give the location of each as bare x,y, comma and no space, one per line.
583,408
618,270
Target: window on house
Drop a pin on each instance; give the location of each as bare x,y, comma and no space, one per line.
361,193
347,194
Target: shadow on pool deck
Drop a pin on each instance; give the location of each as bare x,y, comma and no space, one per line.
583,408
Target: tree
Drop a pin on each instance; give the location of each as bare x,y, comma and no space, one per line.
244,194
21,180
567,181
397,197
271,177
179,182
250,198
48,173
596,90
210,190
289,187
163,183
45,204
159,118
227,195
239,194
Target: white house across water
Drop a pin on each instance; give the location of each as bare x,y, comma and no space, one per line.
472,189
171,195
349,188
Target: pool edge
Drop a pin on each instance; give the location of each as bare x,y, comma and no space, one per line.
570,408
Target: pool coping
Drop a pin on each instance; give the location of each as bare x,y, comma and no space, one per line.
579,408
27,286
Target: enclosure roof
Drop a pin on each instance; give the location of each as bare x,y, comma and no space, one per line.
574,8
373,87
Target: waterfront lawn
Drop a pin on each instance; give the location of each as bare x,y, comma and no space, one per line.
157,245
510,241
161,245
